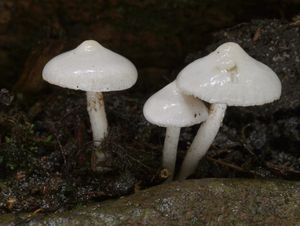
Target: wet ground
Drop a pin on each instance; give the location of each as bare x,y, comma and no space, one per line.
46,152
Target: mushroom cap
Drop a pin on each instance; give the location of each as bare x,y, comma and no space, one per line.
90,67
230,76
169,107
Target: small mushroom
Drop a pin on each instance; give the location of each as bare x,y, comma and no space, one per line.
226,77
171,109
92,68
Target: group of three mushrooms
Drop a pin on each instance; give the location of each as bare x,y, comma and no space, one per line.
226,77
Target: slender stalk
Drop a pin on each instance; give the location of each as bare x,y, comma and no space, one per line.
202,141
96,110
170,150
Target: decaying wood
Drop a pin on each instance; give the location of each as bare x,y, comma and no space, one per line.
31,80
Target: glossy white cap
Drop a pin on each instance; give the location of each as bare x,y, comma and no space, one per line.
170,108
230,76
90,67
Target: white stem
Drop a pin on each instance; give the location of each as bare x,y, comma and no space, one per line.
170,150
96,110
202,141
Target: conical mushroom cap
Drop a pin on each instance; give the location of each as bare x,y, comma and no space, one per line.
230,76
90,67
170,107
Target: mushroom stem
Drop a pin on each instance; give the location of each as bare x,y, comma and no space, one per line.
203,139
96,110
170,150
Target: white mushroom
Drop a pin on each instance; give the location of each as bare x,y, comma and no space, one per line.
92,68
226,77
172,109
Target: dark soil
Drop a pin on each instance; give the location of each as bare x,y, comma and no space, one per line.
45,138
46,151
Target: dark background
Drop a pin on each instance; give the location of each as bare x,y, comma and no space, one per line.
155,35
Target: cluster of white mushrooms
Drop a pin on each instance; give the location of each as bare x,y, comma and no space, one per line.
226,77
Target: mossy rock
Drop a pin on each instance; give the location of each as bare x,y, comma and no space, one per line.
193,202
